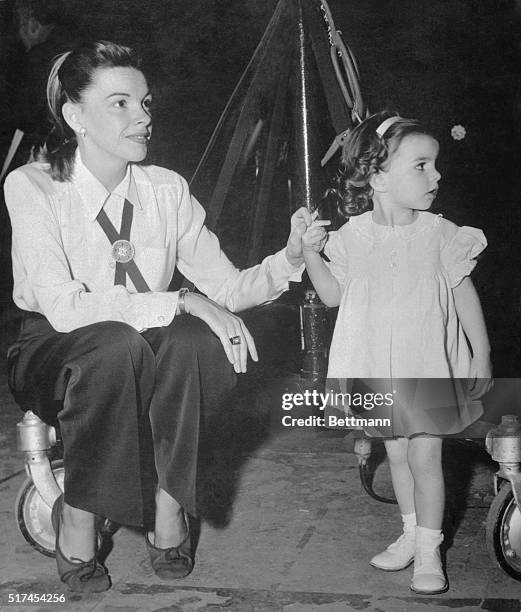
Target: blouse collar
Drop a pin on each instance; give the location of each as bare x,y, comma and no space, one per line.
94,195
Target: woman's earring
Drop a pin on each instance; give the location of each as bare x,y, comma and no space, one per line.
83,132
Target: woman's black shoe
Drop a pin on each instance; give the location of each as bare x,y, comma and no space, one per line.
174,562
79,576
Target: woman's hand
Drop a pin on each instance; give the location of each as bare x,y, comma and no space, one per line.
225,325
300,221
481,379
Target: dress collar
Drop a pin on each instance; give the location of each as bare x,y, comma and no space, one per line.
94,195
365,225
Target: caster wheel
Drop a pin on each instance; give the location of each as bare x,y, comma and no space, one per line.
503,532
33,515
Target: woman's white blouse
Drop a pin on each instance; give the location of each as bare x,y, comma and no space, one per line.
62,263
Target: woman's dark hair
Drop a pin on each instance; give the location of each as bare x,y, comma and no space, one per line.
71,74
364,153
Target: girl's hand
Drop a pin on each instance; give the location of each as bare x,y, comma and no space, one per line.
300,221
225,325
315,237
481,379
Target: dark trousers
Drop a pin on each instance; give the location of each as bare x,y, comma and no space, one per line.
117,394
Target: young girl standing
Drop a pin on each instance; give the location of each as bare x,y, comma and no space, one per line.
408,315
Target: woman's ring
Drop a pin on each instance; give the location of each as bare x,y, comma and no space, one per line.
235,339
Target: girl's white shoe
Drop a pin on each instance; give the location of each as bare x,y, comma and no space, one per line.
399,554
428,577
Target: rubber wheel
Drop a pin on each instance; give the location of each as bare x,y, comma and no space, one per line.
33,515
503,532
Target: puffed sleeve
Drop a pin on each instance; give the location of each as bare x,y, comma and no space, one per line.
459,254
335,250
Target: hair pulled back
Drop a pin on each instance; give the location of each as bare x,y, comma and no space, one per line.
364,153
71,74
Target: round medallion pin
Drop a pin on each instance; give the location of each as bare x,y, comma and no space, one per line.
123,251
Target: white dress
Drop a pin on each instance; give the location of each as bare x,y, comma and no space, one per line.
397,319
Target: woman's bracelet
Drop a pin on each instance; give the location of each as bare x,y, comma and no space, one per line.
181,306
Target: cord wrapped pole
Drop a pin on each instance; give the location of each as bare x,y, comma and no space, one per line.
307,189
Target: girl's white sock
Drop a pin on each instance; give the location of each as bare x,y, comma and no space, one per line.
409,523
429,534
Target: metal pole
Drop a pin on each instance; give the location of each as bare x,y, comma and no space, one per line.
306,190
305,183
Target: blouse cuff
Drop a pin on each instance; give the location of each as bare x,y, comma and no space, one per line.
159,310
281,267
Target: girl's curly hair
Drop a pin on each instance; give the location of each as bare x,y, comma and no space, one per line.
364,153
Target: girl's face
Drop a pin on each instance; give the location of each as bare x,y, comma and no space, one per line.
115,112
410,179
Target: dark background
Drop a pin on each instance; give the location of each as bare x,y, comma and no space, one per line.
445,62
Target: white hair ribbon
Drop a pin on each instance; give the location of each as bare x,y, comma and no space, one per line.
386,124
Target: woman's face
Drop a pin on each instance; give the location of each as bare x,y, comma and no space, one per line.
115,113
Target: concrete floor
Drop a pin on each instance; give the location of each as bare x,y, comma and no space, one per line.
294,535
